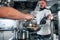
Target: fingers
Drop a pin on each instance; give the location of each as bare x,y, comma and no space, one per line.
28,17
49,17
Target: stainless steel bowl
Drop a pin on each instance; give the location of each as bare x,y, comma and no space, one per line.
31,25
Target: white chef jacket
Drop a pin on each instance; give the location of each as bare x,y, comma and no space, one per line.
45,29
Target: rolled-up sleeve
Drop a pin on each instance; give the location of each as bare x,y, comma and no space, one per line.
48,12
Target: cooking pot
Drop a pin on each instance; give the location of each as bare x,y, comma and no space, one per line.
23,34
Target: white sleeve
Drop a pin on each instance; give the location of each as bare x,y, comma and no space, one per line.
33,13
48,12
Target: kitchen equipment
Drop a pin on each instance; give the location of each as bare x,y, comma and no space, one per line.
23,34
32,25
7,3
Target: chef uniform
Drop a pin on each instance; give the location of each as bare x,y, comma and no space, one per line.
45,30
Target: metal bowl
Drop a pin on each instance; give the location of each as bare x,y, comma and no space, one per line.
31,25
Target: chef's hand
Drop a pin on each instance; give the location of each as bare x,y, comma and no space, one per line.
28,17
49,17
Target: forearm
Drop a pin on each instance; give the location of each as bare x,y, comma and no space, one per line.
11,13
13,16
